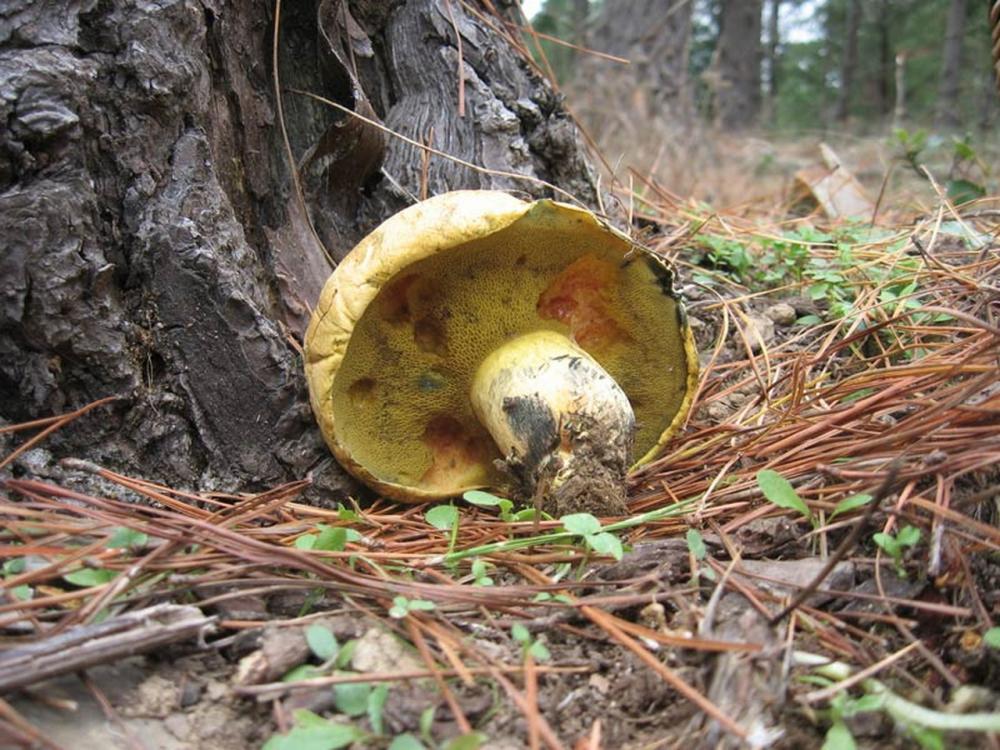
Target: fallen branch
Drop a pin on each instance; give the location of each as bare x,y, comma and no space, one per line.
87,646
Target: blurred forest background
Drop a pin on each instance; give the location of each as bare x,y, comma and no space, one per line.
723,100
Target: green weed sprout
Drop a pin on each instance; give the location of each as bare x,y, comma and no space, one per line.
896,546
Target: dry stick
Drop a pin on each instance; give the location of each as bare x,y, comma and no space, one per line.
59,422
89,645
24,728
903,628
604,620
421,643
828,692
109,712
845,546
544,729
531,699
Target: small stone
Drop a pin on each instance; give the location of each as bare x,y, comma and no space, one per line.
718,411
653,616
600,683
178,725
380,651
781,313
760,332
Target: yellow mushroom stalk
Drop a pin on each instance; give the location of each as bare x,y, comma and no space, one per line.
564,426
476,341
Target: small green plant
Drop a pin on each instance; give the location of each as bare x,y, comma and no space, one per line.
529,646
353,700
696,546
322,642
926,726
15,567
313,732
126,538
896,545
479,568
87,577
779,491
844,706
961,186
327,538
850,503
911,146
992,638
487,500
444,518
406,742
588,527
401,606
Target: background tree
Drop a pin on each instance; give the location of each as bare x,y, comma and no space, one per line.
951,69
654,35
849,60
771,59
739,56
154,248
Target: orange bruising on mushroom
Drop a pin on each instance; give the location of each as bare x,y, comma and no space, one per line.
580,297
413,300
458,453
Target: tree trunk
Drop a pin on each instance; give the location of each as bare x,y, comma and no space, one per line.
899,110
654,35
739,64
581,10
948,115
773,30
154,248
886,57
849,61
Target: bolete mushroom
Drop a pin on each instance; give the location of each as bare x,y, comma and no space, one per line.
478,341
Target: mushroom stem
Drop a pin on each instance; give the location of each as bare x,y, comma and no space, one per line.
563,424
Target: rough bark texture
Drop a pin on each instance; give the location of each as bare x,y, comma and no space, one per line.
948,114
848,61
654,35
883,21
773,60
739,59
153,247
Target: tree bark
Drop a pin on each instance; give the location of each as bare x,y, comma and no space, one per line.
581,10
773,40
654,35
899,110
848,62
738,102
886,58
154,247
948,115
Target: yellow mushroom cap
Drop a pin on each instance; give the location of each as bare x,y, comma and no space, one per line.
407,318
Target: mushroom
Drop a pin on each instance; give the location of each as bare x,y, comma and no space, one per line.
476,341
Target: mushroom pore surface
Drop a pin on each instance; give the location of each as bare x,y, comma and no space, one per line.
401,394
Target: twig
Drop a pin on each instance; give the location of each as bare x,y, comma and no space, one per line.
89,645
844,547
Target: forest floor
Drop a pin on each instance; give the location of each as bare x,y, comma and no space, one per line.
843,445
